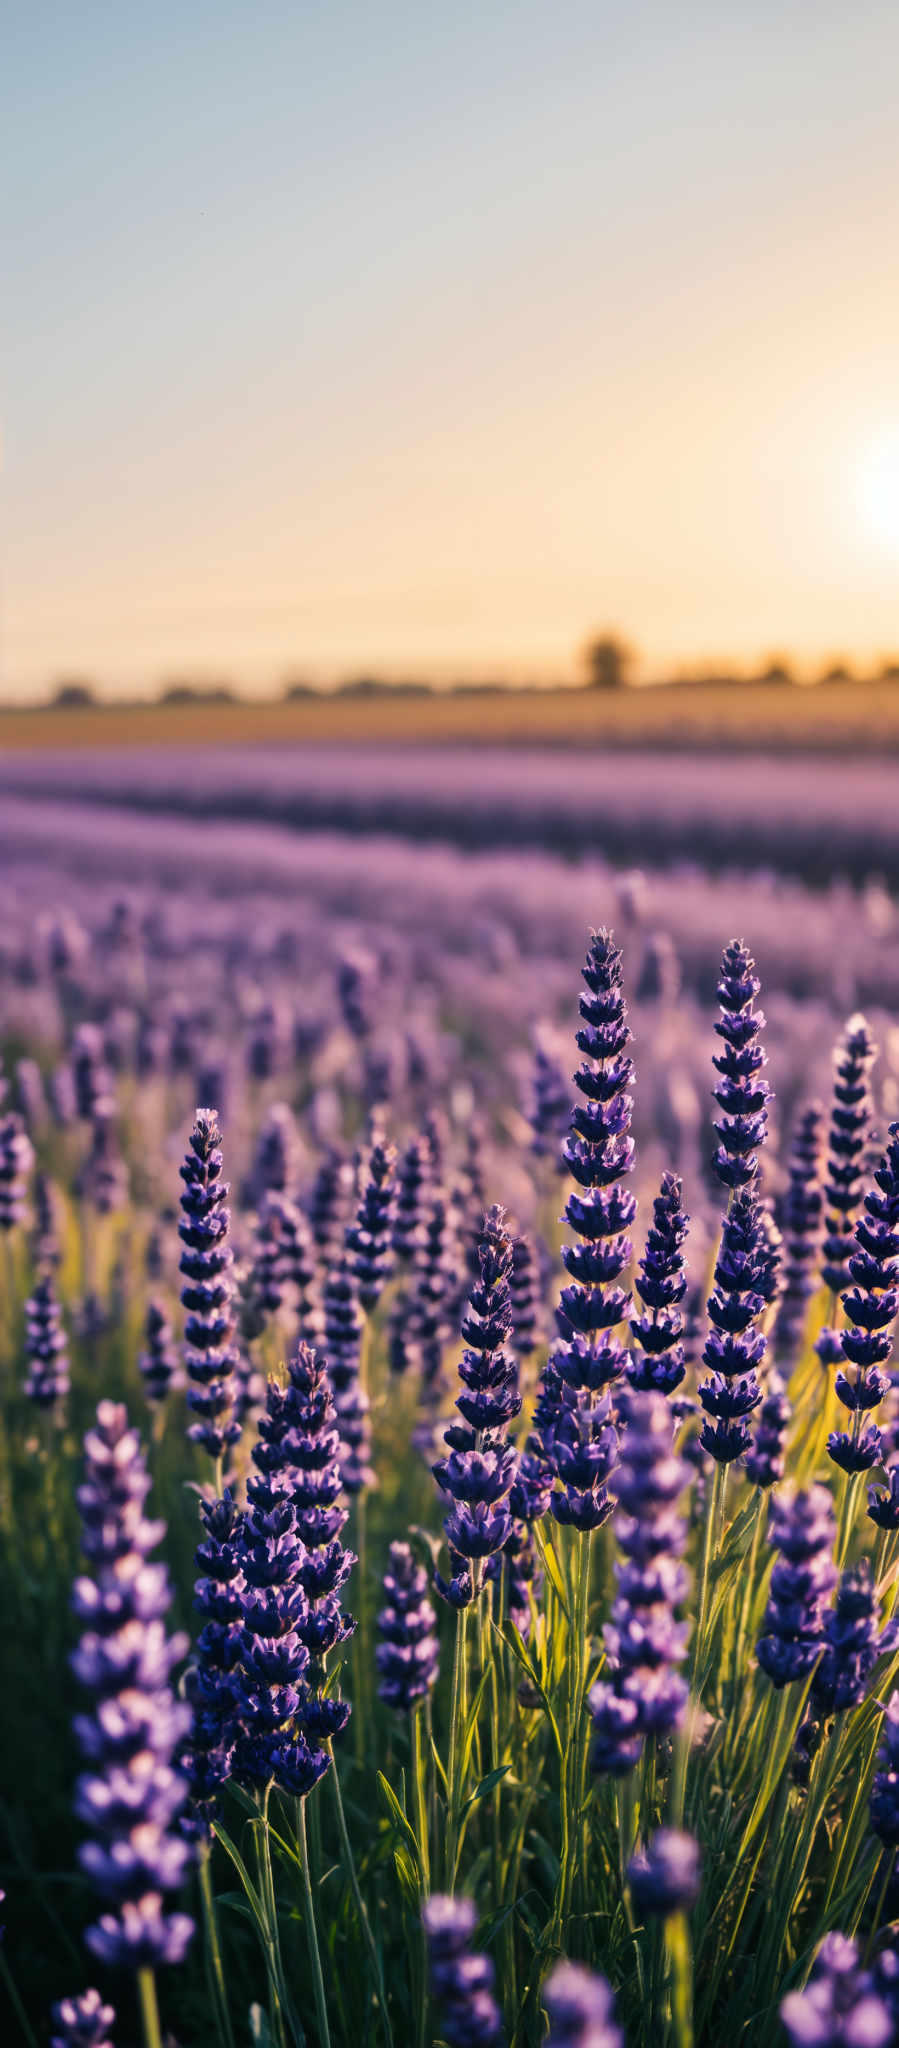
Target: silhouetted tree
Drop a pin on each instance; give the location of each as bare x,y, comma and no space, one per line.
777,670
607,660
73,696
836,672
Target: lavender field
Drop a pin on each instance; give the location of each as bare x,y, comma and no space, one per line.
449,1472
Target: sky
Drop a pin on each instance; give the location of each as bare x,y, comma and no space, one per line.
424,340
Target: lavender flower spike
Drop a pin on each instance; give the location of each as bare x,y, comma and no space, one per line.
664,1877
407,1655
46,1350
850,1133
644,1694
736,1344
742,1093
599,1154
462,1980
83,2022
803,1531
871,1307
803,1226
840,2006
369,1237
158,1362
479,1472
885,1788
661,1284
210,1356
130,1794
581,2009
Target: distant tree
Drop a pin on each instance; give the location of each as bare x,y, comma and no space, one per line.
363,686
607,660
777,670
73,696
889,672
836,672
196,693
299,689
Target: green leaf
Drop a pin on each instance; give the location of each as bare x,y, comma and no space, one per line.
397,1815
486,1785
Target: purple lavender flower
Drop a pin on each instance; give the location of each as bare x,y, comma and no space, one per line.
357,983
209,1355
849,1137
431,1304
480,1469
299,1266
158,1362
871,1307
276,1150
412,1193
46,1249
16,1158
664,1877
46,1350
131,1795
462,1980
883,1502
329,1202
742,1093
207,1757
661,1284
599,1153
526,1304
803,1227
581,2009
840,2006
103,1180
369,1239
343,1341
736,1344
803,1578
408,1653
644,1641
94,1097
82,2022
549,1106
885,1787
766,1458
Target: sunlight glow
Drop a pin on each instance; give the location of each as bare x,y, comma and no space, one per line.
878,490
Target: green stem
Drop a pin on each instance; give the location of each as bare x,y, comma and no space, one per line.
454,1790
149,2009
318,1982
213,1951
267,1890
350,1866
28,2034
418,1787
677,1942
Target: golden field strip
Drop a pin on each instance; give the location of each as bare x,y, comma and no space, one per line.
832,717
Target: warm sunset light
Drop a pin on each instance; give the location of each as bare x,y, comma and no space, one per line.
878,491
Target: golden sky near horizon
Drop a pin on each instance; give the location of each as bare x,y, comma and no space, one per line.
375,338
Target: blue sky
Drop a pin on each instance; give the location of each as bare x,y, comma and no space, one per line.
426,338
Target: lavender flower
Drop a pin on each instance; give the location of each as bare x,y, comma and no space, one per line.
299,1266
852,1644
276,1150
462,1981
131,1794
549,1107
766,1458
158,1362
599,1153
369,1237
871,1307
94,1097
46,1249
268,1687
644,1641
742,1094
46,1350
581,2009
849,1137
478,1474
207,1757
661,1284
103,1180
840,2006
736,1344
803,1578
803,1226
329,1202
664,1877
343,1340
883,1502
407,1656
16,1159
412,1192
526,1306
210,1355
82,2022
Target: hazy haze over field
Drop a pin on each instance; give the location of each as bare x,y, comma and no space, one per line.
425,339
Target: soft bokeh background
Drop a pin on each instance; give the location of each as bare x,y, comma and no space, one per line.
424,340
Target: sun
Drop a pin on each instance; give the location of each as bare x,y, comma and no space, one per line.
878,489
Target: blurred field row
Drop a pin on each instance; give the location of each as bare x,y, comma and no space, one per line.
834,717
